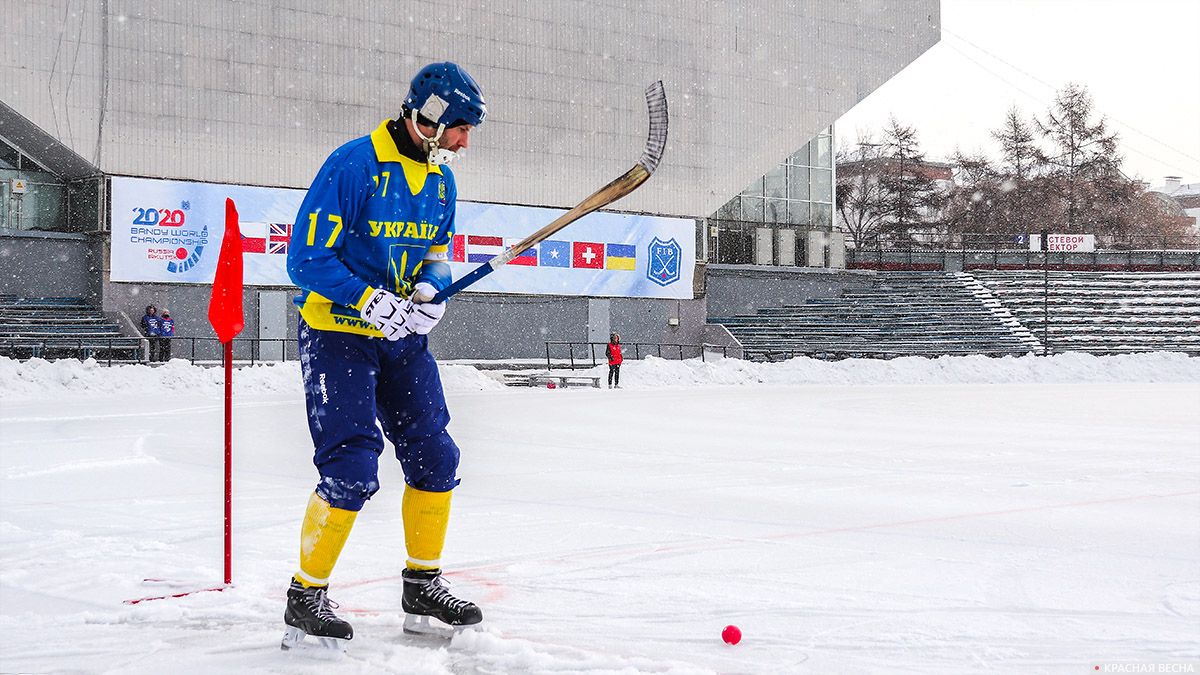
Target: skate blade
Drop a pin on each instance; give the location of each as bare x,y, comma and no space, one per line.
417,624
293,639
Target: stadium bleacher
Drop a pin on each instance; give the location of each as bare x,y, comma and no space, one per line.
52,328
993,313
903,314
1104,312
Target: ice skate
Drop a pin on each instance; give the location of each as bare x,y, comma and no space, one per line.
431,610
310,612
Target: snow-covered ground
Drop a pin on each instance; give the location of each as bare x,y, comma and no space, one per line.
950,515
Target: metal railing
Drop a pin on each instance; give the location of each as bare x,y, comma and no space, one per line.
203,350
108,350
247,350
933,241
588,352
918,258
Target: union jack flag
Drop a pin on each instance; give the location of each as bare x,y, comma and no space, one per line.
278,237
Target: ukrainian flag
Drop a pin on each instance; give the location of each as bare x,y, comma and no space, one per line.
621,256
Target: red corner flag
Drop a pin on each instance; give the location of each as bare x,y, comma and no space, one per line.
225,306
225,315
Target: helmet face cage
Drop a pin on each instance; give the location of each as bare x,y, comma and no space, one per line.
445,95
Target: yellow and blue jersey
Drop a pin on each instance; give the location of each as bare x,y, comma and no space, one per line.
372,219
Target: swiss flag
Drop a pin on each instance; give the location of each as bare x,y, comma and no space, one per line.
588,255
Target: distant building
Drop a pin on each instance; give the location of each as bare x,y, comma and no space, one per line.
1186,195
194,99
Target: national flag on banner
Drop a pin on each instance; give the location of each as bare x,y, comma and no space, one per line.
554,253
278,237
587,255
254,237
482,249
621,256
529,257
458,248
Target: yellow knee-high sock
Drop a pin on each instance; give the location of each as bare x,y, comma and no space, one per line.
322,536
425,517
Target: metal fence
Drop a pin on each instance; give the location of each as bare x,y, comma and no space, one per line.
592,354
1018,242
106,350
207,350
1016,258
202,350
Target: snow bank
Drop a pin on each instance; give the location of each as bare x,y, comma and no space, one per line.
38,379
1062,368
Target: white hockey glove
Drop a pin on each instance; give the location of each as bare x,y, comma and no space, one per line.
425,314
388,313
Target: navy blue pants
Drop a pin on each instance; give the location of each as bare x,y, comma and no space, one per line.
350,381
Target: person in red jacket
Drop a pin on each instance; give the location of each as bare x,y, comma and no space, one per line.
613,351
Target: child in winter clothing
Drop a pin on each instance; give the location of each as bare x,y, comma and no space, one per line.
613,352
166,331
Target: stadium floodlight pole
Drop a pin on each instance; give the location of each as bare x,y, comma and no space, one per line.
656,142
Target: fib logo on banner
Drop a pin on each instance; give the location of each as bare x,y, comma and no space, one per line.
665,257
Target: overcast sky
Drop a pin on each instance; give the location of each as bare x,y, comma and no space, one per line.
1140,59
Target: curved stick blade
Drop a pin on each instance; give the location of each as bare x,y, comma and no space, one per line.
656,141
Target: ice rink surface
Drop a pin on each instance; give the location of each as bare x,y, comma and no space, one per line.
913,516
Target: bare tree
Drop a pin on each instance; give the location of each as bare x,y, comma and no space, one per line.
861,202
910,192
970,206
1018,147
1061,173
1081,151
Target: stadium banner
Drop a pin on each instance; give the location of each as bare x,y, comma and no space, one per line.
1070,243
601,254
169,231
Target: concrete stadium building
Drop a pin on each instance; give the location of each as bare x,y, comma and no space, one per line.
250,93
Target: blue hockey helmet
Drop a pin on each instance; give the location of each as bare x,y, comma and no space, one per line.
443,94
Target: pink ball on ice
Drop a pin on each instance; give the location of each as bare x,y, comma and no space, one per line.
731,635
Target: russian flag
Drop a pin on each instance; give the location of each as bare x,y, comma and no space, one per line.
528,258
482,249
621,256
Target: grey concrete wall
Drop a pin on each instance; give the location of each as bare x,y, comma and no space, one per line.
188,304
479,326
492,326
742,289
258,92
50,264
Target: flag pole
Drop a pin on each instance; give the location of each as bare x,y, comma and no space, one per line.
228,462
227,319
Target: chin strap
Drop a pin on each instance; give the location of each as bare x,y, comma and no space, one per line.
437,156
